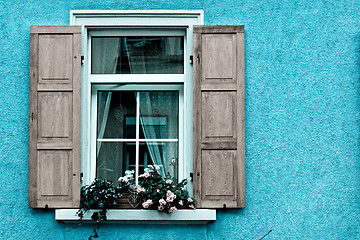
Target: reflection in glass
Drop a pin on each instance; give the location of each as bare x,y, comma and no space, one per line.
159,114
116,157
113,109
137,55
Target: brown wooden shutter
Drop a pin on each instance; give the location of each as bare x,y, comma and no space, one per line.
219,117
54,112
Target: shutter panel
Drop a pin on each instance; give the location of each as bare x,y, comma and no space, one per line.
219,117
54,116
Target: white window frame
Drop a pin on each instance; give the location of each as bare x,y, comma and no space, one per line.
152,19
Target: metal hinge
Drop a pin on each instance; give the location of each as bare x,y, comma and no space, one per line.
82,59
191,59
81,176
191,176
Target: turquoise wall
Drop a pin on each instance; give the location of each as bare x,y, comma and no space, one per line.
302,120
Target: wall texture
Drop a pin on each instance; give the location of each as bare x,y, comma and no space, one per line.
302,120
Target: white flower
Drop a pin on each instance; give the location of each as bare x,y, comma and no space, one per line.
129,172
168,181
157,168
122,179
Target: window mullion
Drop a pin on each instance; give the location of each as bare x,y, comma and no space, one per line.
137,137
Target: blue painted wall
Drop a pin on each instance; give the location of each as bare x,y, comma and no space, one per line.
302,120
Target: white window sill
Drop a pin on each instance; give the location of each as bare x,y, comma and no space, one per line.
198,216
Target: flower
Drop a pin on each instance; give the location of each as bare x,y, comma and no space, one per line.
157,168
140,189
172,209
129,173
169,181
181,203
190,200
147,203
123,179
145,175
170,196
162,202
150,166
191,206
161,208
157,190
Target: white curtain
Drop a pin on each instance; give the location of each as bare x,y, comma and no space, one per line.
159,120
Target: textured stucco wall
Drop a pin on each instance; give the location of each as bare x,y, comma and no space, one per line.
302,120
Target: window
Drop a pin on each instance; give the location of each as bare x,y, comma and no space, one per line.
123,111
136,127
141,121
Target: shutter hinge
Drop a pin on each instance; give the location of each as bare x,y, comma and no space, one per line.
191,176
82,59
198,59
191,59
81,176
32,116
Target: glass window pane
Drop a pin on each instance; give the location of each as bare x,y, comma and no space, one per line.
137,55
114,109
165,155
159,115
113,158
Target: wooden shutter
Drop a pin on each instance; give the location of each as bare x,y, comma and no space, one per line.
219,117
54,117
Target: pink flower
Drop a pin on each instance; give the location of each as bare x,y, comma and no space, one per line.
170,196
181,203
191,206
150,166
168,181
140,189
172,209
161,208
146,175
157,168
147,203
190,200
162,202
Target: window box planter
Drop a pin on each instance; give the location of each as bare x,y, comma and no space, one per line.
131,216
